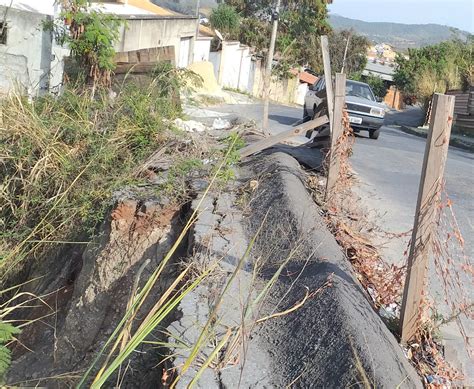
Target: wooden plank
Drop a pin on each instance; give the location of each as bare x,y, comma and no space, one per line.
273,140
121,57
154,54
133,56
144,55
337,129
434,161
328,77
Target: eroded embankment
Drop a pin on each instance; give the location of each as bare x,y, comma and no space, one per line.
87,291
288,312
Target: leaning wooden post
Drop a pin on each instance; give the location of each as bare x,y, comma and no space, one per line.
336,132
428,198
327,76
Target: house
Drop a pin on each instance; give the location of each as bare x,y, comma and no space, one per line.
382,52
149,26
30,59
384,71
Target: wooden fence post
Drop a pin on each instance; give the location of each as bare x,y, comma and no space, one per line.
428,198
327,77
336,132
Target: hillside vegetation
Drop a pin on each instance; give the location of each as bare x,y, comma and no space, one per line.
399,35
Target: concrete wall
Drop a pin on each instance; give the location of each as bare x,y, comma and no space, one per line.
283,91
245,69
394,98
202,48
301,91
215,59
230,65
29,60
234,66
147,33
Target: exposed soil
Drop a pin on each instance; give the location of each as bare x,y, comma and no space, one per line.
86,292
334,339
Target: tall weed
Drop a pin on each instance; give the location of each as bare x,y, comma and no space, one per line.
62,157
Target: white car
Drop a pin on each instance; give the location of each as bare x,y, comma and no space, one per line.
365,112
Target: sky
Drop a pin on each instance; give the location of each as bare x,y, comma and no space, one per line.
454,13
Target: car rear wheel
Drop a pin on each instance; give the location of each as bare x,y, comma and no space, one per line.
306,117
374,134
309,133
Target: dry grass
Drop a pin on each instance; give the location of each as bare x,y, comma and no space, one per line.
61,158
352,230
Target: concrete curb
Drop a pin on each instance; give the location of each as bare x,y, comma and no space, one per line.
335,340
455,142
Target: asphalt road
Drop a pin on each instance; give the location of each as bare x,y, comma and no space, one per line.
388,171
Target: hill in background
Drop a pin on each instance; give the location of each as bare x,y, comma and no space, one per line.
398,35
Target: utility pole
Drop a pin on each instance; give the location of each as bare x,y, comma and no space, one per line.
268,70
198,5
345,52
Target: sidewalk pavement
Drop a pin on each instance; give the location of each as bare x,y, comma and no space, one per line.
457,140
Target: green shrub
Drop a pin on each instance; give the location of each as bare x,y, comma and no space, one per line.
226,19
376,83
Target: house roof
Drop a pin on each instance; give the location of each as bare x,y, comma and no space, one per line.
119,9
45,7
147,5
385,72
206,31
137,9
308,78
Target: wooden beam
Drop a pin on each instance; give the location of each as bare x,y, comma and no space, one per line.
328,77
336,132
434,161
273,140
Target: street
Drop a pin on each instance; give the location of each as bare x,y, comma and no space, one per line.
388,172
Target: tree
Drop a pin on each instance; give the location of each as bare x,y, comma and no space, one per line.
226,19
376,83
436,68
91,36
302,22
356,56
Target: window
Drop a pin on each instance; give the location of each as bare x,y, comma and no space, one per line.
359,89
3,33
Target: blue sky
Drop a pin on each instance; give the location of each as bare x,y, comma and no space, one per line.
455,13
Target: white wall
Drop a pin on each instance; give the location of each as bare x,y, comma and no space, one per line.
30,59
245,67
202,48
301,93
230,64
45,7
146,33
235,65
215,59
